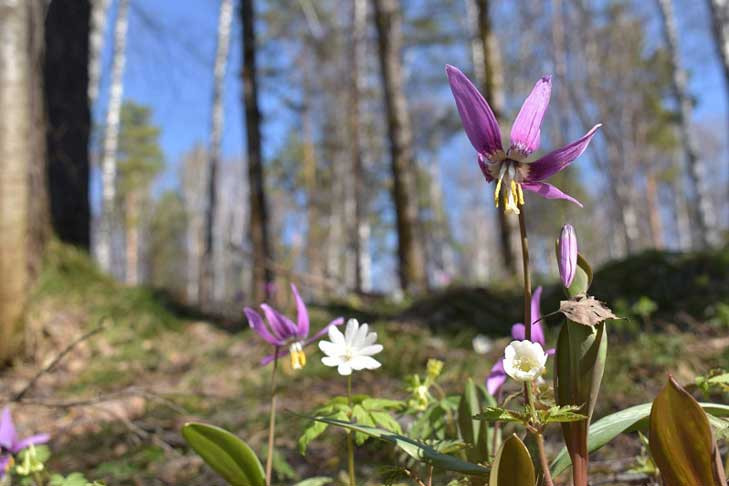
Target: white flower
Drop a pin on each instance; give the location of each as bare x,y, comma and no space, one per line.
352,350
524,360
482,344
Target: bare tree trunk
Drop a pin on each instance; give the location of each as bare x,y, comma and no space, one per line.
488,73
23,201
216,133
111,139
703,206
67,105
99,13
720,24
262,275
654,213
357,56
131,212
410,252
193,171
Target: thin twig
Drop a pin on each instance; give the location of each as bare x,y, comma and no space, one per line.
100,327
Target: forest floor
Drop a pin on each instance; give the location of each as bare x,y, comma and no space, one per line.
115,403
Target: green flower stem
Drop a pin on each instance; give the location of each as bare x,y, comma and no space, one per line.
350,445
272,420
536,430
527,276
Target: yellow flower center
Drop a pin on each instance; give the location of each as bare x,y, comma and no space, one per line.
298,357
512,194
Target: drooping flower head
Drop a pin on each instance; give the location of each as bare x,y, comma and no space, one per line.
524,360
282,332
508,168
497,376
567,252
11,444
352,350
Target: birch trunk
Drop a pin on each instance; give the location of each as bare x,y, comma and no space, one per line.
262,254
487,69
216,132
66,63
720,25
131,226
703,207
410,252
99,13
22,182
111,139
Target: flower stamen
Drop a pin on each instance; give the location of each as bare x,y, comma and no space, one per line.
298,357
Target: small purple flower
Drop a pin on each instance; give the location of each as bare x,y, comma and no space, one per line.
497,377
509,169
282,332
11,444
567,252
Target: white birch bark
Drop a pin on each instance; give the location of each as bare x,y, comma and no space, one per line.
99,12
111,139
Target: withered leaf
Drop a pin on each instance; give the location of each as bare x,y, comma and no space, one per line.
586,310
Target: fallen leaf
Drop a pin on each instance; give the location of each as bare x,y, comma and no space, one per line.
586,310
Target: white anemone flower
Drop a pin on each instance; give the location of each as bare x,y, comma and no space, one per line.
352,350
524,360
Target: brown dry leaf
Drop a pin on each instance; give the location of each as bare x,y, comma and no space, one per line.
586,310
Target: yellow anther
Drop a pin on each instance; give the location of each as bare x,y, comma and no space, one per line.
298,357
510,203
521,194
498,188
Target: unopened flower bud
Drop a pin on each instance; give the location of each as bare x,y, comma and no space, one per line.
567,255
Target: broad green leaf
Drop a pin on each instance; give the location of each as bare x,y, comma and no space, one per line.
315,429
624,421
382,404
225,453
362,417
681,442
513,465
498,414
385,420
473,431
416,450
566,413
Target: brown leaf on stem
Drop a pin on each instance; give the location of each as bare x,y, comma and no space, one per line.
586,310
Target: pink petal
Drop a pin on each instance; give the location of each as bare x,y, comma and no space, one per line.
548,191
282,351
256,323
478,119
336,322
28,441
8,435
537,331
496,378
302,315
558,159
281,325
526,128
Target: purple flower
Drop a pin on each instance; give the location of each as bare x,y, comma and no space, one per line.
509,169
10,442
497,377
567,253
282,332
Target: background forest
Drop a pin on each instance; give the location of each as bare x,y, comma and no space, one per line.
165,163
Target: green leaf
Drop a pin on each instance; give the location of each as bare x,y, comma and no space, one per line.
624,421
362,417
681,442
386,421
498,414
418,451
382,404
513,465
225,453
473,431
566,413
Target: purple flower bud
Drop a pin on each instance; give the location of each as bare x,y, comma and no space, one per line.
567,255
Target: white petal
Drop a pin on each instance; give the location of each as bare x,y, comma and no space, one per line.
359,338
370,339
336,336
351,331
344,369
364,363
330,349
370,350
331,361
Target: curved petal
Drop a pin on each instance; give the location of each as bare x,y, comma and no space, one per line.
351,331
517,331
548,191
344,369
537,331
282,351
281,325
8,435
336,322
496,378
558,159
483,164
302,315
256,323
526,128
331,360
28,441
370,350
364,363
336,336
478,119
329,348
